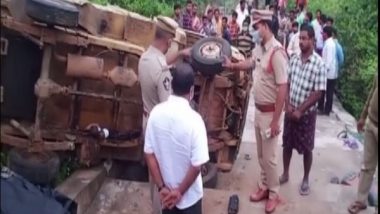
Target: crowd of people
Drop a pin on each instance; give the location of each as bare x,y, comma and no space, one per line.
295,59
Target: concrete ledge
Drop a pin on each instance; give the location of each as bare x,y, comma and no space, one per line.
83,185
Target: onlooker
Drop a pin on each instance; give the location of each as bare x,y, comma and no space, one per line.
282,33
208,28
317,25
176,133
289,24
301,2
329,21
369,119
244,41
339,52
308,18
275,21
197,23
307,81
188,16
242,11
225,34
294,43
329,57
301,14
217,21
178,14
234,28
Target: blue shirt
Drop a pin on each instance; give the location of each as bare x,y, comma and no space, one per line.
339,55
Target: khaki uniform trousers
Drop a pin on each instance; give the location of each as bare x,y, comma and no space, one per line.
154,195
369,160
267,153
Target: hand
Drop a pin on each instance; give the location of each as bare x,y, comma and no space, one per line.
227,63
163,193
297,114
172,199
274,129
289,109
360,125
185,52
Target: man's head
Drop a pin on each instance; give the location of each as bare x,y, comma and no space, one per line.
318,13
183,80
204,20
210,14
245,25
301,7
295,27
271,8
308,18
195,8
307,38
234,16
262,23
334,33
224,21
217,13
323,19
242,5
292,15
165,32
329,21
189,6
177,9
327,32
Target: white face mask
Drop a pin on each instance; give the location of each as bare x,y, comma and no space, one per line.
256,38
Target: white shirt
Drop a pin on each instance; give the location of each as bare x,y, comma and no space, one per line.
294,45
329,57
318,34
241,15
176,135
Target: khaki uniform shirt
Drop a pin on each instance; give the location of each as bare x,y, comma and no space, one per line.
154,77
371,107
265,84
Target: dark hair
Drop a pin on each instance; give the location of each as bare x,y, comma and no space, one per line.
271,6
216,10
310,15
225,18
335,32
292,11
318,10
234,14
183,79
309,29
161,34
209,11
301,6
323,18
204,17
189,2
177,6
295,24
330,19
328,30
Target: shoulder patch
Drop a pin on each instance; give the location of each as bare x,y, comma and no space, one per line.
166,83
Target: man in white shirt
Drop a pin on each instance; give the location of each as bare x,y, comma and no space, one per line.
242,11
330,58
294,41
317,25
176,147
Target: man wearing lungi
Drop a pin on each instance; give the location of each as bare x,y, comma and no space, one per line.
307,82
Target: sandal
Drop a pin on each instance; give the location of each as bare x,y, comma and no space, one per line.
356,207
304,189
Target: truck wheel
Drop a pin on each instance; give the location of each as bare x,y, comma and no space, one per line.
38,168
53,12
208,55
210,175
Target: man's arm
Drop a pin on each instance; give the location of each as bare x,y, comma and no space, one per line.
239,66
281,78
310,101
364,113
329,56
172,58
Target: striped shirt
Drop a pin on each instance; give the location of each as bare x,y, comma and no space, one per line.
245,44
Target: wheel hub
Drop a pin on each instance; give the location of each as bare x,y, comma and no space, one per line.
211,50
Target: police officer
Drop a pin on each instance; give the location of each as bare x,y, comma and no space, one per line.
155,78
269,62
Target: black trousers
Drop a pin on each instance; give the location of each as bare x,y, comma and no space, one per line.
326,102
195,209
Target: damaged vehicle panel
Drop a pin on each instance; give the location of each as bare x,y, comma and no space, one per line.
70,83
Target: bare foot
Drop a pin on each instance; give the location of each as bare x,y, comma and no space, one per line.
304,188
284,179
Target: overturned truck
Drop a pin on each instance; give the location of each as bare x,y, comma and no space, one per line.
69,85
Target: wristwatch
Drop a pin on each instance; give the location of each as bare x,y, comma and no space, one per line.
161,187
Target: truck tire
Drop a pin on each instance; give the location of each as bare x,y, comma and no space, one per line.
208,55
38,168
53,12
210,175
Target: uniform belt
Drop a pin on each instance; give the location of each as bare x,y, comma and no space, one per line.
265,108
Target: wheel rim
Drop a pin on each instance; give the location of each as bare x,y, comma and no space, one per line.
210,50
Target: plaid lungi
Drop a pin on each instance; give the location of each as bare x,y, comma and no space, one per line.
299,135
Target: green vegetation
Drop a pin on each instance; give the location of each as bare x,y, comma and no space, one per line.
356,22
